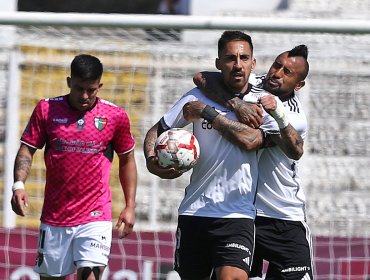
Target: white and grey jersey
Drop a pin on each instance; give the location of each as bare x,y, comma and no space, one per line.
279,192
223,182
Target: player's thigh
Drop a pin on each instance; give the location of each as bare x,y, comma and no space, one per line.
54,252
193,252
233,247
230,273
93,272
52,278
92,244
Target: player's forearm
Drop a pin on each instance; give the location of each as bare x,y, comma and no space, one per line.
149,141
290,142
235,132
128,179
23,163
293,142
239,134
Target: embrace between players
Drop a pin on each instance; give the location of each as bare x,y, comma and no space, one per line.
249,163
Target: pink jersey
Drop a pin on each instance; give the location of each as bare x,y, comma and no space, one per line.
78,156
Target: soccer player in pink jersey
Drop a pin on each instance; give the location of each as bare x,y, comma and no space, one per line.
80,133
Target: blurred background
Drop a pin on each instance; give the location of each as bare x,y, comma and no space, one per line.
147,69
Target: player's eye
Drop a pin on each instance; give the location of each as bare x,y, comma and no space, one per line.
276,65
229,58
244,57
91,90
288,72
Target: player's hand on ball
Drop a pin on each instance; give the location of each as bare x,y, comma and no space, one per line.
19,202
162,172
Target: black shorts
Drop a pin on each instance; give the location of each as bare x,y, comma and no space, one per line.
203,244
286,245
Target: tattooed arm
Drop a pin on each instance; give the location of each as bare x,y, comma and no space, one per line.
212,86
289,139
151,158
22,168
246,137
235,132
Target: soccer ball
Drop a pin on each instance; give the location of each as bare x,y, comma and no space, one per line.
177,148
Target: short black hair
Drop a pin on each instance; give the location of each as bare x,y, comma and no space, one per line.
86,67
302,51
229,36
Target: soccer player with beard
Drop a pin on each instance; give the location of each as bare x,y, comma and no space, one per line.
215,226
282,235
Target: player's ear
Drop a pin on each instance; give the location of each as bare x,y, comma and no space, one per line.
69,82
217,63
299,85
254,62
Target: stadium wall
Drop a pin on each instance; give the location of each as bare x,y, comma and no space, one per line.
149,256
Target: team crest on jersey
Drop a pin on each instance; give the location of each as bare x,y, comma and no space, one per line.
100,123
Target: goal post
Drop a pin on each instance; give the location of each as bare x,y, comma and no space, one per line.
149,61
185,22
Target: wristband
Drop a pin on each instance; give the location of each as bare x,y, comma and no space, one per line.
279,115
266,140
209,114
19,185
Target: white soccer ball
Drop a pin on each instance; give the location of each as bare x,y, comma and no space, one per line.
177,148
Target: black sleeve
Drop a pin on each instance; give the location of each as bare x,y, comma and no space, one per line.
162,127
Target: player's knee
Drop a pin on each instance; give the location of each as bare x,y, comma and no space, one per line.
93,271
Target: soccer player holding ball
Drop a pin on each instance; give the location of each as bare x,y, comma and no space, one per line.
282,234
80,133
216,217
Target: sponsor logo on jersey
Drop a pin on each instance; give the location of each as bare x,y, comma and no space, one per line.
81,123
99,246
237,246
100,123
95,214
60,120
246,260
206,125
54,98
296,268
